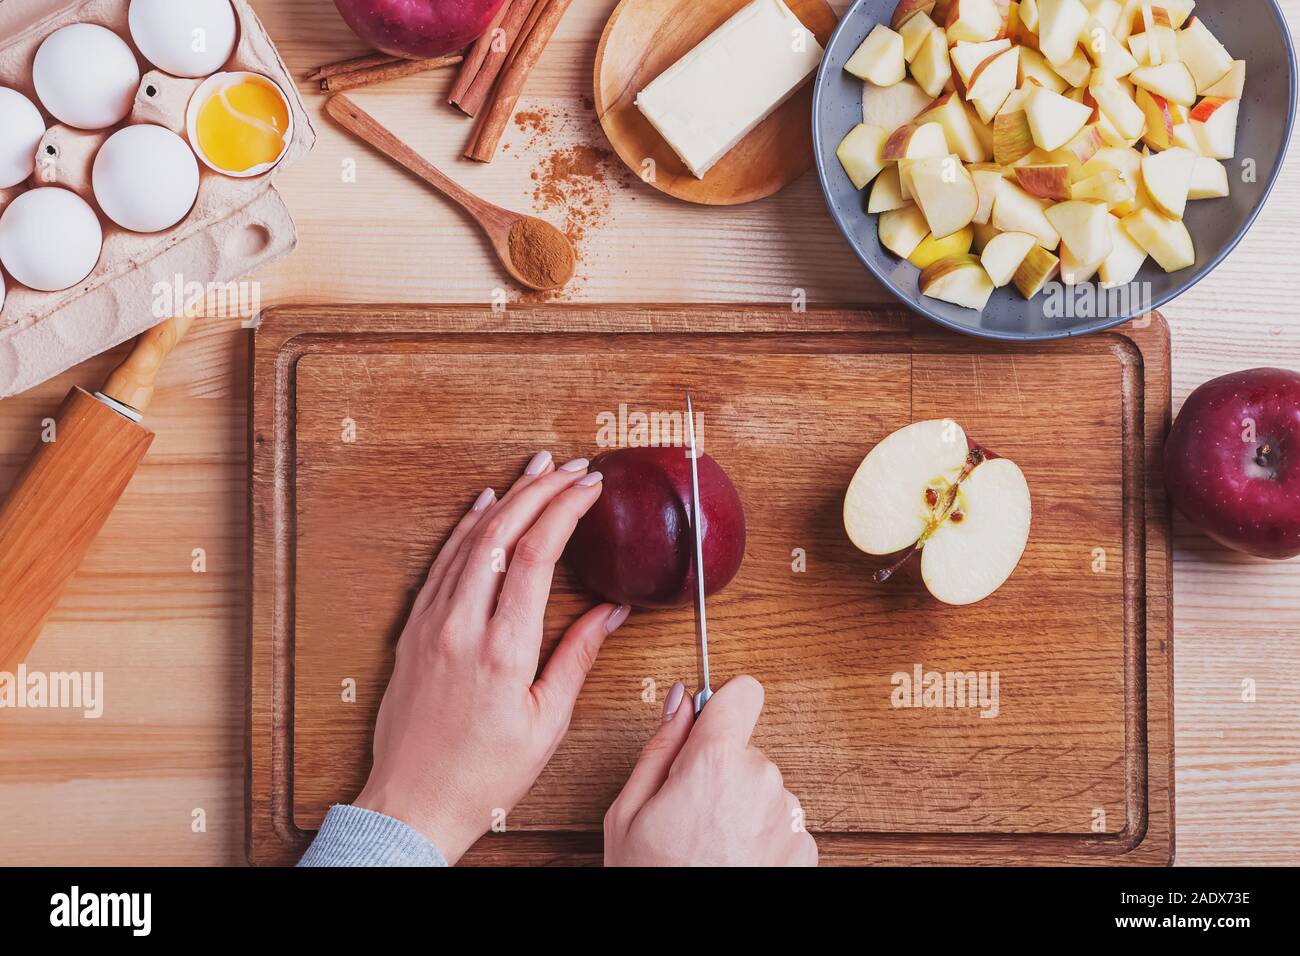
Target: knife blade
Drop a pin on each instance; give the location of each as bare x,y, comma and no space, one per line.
697,531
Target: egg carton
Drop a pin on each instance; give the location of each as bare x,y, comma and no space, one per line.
236,226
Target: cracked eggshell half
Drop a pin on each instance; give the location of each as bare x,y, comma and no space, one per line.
240,124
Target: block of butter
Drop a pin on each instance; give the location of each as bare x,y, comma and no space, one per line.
706,102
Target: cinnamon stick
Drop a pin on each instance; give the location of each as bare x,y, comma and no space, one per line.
351,65
481,87
477,54
492,125
388,71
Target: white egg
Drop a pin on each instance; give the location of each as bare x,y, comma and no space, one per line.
86,76
146,178
2,292
21,129
50,239
184,37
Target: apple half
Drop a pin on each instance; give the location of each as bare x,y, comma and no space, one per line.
927,490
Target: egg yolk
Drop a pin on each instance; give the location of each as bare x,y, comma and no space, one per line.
243,125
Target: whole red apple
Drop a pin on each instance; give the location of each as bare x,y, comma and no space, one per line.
1232,461
635,545
418,29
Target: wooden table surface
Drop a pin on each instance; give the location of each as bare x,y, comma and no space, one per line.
160,604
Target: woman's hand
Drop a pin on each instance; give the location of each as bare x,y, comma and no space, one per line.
464,729
701,795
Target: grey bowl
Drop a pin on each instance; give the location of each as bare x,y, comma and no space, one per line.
1254,31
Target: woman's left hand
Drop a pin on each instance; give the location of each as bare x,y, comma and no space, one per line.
467,724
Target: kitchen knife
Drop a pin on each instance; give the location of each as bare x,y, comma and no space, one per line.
69,487
697,532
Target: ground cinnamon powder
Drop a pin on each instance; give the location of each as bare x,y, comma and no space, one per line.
541,253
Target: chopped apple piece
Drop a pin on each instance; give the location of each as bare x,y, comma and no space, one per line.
959,130
1083,228
1085,144
1108,186
907,9
992,82
1045,182
916,141
960,280
1003,254
1209,179
902,230
1125,260
1034,67
879,59
1029,15
1168,178
1203,55
1233,84
1012,138
931,68
1159,115
886,193
1186,138
1173,81
1054,119
1060,22
890,107
946,193
1106,52
1075,271
1118,106
914,33
1076,70
973,21
966,57
987,178
861,153
1038,268
1214,122
984,233
1017,211
1127,162
1166,240
931,250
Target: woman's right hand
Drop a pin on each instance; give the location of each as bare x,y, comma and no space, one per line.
701,795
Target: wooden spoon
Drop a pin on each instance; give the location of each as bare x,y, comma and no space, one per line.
534,252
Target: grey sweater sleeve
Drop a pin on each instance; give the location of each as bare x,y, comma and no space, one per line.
351,836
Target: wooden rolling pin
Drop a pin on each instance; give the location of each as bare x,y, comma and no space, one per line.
70,486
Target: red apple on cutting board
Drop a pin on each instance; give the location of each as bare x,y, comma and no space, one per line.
1232,461
418,29
926,489
635,545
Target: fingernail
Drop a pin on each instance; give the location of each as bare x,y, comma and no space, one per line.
673,700
586,481
538,464
616,618
484,499
578,464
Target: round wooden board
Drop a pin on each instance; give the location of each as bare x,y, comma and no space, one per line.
645,37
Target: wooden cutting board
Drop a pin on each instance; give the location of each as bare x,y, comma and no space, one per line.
372,428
